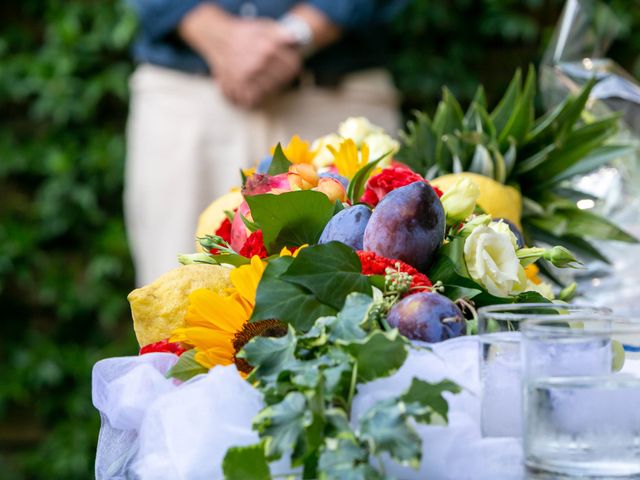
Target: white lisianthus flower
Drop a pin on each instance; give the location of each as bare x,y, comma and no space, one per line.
543,288
323,157
492,262
502,227
357,129
380,144
459,201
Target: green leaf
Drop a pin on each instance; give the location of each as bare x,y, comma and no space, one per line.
507,104
251,226
329,271
186,367
282,425
343,458
288,303
290,219
567,221
279,163
379,354
521,118
270,355
346,325
242,463
357,184
430,395
386,428
230,259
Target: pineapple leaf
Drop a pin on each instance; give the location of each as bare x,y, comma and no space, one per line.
578,144
506,106
595,159
521,119
567,221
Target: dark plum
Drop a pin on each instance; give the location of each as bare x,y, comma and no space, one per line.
347,226
427,316
408,225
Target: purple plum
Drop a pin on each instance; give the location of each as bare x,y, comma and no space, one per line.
427,316
408,225
347,226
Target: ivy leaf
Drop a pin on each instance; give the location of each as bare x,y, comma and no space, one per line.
287,302
379,354
346,325
430,395
279,163
385,426
241,463
270,355
290,219
282,425
345,459
186,367
329,271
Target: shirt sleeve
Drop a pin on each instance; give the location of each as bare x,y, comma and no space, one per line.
357,14
160,17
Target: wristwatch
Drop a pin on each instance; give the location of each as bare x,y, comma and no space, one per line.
300,31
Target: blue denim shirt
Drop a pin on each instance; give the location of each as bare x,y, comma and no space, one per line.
361,47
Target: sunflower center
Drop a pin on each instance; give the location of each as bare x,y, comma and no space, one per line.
265,328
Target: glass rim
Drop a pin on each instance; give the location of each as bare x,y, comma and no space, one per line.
509,311
613,325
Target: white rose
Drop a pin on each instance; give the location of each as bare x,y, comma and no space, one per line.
357,128
323,157
502,227
492,262
459,201
380,144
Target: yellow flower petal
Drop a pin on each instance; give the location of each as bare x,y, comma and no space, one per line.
207,308
347,160
245,279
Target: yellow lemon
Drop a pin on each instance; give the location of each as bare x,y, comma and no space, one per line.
498,200
159,308
213,215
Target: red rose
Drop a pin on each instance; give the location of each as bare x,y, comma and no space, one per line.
163,346
389,179
374,264
254,245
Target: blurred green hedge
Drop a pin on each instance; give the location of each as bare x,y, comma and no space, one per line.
65,269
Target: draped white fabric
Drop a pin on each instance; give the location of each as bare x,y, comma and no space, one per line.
154,428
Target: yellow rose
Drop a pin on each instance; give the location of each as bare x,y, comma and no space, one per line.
459,200
492,262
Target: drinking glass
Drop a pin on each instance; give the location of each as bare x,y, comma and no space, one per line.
500,361
582,395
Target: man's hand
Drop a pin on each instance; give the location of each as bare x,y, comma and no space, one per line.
250,58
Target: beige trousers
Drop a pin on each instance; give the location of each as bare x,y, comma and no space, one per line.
186,144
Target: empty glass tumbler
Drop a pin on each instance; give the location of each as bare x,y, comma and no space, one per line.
582,395
501,365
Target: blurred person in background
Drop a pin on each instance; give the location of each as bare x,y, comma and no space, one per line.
219,82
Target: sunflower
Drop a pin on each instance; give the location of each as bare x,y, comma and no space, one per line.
348,160
217,326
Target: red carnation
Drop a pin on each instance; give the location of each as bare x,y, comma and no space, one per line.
254,245
163,346
224,230
374,264
389,179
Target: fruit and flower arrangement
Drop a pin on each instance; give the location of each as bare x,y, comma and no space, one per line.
335,258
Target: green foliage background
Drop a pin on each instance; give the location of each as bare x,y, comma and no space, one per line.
65,268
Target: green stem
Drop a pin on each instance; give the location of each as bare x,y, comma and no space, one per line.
352,387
